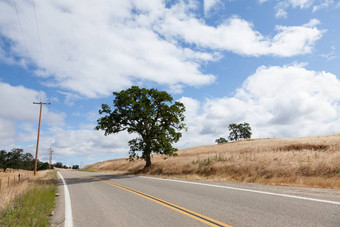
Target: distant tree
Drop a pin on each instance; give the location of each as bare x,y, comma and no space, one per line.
28,161
58,165
75,167
239,131
15,156
234,132
43,165
245,130
221,140
149,113
3,159
16,159
12,159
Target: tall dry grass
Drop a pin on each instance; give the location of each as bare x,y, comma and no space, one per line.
13,176
309,161
8,193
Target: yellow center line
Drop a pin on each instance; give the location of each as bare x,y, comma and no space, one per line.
190,213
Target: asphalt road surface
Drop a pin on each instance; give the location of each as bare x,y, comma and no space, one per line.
98,199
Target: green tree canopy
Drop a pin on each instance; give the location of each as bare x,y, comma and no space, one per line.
221,140
3,158
27,161
16,159
42,165
58,165
13,159
149,113
239,131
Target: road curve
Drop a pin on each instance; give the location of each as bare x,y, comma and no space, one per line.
119,200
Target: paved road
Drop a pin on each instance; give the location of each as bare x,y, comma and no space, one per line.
120,200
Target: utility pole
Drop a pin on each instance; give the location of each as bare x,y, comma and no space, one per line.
36,152
51,151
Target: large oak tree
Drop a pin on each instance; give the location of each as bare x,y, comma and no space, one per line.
239,131
149,113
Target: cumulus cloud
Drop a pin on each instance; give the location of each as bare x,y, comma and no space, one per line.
295,3
89,142
323,4
17,109
17,104
7,133
243,39
84,144
91,49
301,3
298,102
290,41
281,9
282,6
209,5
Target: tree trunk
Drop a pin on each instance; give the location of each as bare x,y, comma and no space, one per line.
148,161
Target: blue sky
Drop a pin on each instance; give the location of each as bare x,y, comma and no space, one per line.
274,64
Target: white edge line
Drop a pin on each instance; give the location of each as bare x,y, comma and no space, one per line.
247,190
68,208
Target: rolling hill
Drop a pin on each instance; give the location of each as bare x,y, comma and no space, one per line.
307,161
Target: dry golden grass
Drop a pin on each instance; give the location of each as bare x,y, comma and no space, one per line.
16,188
11,176
309,161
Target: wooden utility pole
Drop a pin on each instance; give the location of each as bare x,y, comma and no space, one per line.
51,151
36,152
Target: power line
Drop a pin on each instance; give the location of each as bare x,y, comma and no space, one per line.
22,32
37,27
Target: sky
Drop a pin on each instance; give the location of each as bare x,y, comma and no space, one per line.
273,64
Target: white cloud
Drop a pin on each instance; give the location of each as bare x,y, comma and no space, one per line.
282,6
298,102
94,49
88,142
280,9
7,133
17,104
91,49
85,144
301,3
17,108
330,55
263,1
209,5
294,39
324,4
243,39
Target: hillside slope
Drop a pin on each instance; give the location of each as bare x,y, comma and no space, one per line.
308,161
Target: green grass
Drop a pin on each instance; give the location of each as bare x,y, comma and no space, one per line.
86,170
33,208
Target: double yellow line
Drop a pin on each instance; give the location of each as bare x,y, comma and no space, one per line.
197,216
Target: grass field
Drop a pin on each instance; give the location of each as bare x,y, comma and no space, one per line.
15,189
11,176
34,207
309,161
